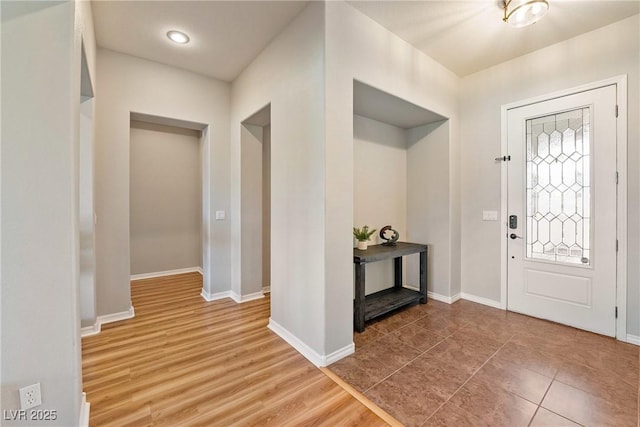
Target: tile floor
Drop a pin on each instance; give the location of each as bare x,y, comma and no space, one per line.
467,364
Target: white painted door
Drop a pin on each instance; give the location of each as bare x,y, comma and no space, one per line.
561,261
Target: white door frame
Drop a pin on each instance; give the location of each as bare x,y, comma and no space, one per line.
621,229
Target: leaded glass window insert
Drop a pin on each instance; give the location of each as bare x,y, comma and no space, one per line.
559,188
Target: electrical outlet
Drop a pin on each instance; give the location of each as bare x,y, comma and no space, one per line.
30,396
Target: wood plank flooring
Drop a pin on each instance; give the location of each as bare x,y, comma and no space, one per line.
183,361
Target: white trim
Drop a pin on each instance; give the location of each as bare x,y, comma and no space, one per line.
116,317
621,281
633,339
443,298
246,298
339,354
88,331
266,290
85,408
213,297
166,273
302,348
438,297
107,318
482,300
435,296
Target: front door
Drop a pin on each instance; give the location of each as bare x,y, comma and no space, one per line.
562,199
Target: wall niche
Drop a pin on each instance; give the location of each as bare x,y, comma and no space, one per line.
401,178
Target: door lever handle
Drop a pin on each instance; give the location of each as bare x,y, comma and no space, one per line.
514,236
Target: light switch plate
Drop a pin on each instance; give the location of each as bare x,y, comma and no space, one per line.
220,215
489,215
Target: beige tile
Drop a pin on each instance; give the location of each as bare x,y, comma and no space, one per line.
483,345
435,376
590,340
440,324
369,335
389,351
529,358
515,379
389,323
623,365
494,405
451,415
450,352
550,330
360,374
419,338
587,409
405,398
599,382
544,418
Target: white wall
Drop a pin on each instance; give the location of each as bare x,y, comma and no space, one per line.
600,54
429,204
40,233
289,74
359,48
165,198
379,188
128,84
251,201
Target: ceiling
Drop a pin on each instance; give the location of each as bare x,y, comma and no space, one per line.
225,35
469,36
464,35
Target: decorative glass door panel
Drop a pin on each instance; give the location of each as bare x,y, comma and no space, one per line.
558,189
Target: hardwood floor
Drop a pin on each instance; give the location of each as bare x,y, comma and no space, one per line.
183,361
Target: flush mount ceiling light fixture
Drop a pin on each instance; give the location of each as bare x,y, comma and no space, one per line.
178,37
520,13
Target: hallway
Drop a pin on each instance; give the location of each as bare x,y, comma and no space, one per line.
184,361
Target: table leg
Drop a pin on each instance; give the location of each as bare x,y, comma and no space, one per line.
358,310
423,277
397,272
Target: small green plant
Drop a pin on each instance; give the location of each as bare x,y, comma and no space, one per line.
363,234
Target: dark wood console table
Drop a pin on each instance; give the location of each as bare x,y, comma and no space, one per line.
367,307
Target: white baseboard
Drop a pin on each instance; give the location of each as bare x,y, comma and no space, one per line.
266,290
87,331
435,296
245,298
106,318
85,408
116,317
633,339
339,354
482,300
216,296
309,353
443,298
166,273
230,294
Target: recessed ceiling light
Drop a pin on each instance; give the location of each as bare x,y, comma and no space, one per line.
178,37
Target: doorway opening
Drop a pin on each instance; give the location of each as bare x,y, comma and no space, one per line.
255,200
169,193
